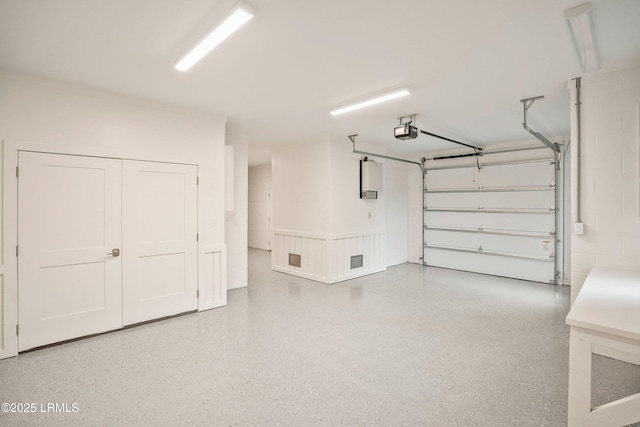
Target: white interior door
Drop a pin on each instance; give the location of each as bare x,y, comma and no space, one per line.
69,211
159,238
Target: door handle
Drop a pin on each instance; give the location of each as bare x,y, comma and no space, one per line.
114,253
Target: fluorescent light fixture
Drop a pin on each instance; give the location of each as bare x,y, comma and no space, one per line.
235,19
580,20
376,99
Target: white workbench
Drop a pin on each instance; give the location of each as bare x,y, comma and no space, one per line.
605,320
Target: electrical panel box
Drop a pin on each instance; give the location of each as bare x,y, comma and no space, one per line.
370,179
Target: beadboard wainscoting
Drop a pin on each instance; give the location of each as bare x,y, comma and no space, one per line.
328,258
370,246
312,249
212,293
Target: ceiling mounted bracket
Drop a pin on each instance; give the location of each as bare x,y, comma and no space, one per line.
526,104
352,138
410,119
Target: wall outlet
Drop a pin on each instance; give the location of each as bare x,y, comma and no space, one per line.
578,228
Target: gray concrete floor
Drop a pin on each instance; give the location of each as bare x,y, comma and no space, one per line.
409,346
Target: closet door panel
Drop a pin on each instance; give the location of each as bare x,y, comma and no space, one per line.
159,235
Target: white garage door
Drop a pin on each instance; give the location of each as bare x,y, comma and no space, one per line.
499,220
73,212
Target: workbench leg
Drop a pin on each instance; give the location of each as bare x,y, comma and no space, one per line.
579,379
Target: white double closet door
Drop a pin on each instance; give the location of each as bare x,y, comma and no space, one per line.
103,243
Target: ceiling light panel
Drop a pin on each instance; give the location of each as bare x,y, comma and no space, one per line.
372,100
235,19
580,20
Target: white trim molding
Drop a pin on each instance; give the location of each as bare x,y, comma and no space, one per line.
212,286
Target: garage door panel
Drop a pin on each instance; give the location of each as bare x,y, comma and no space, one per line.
536,173
519,200
519,222
537,271
450,178
489,200
539,173
453,200
538,246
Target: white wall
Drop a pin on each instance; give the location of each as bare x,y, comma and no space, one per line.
300,176
318,214
51,116
397,205
349,213
301,209
609,171
259,203
236,220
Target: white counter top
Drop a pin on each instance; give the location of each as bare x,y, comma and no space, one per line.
609,302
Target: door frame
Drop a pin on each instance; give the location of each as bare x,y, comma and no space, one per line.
9,264
270,218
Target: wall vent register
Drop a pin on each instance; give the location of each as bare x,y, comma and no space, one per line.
294,260
356,261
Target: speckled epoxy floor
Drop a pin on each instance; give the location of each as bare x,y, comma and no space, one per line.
405,347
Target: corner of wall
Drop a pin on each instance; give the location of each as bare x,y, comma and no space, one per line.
607,163
236,220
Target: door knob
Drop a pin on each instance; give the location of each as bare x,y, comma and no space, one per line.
114,253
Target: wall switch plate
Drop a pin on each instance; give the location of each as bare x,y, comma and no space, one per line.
578,228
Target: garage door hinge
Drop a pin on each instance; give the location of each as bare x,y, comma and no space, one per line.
197,237
17,172
198,293
16,251
197,180
17,329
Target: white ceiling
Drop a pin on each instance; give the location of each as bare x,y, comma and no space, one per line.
468,62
